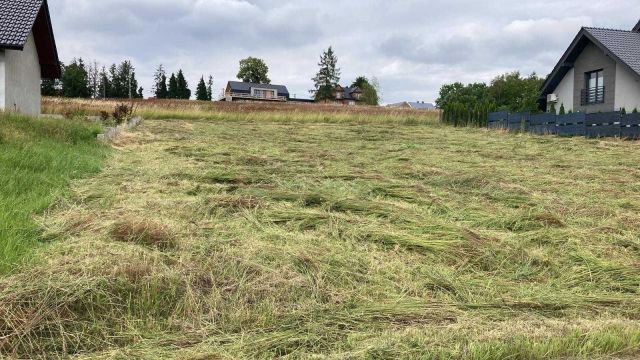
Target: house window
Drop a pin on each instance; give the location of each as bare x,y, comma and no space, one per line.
263,94
594,92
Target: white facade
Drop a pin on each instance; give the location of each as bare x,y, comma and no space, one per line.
565,92
627,89
20,79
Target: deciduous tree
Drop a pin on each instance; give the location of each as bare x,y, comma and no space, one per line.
254,70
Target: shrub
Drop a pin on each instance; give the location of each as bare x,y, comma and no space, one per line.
122,113
562,110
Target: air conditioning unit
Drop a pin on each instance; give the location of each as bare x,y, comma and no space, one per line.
552,98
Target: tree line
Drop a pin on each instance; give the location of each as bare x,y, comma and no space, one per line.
469,105
177,87
80,80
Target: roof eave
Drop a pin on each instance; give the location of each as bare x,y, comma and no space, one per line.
45,7
11,47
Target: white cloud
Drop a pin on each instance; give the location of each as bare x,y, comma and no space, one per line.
412,46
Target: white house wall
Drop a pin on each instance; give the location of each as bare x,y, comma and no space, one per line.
22,79
627,89
565,92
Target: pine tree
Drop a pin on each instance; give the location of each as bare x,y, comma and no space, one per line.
140,93
201,91
116,87
160,86
562,110
75,80
210,88
183,91
327,77
172,93
105,84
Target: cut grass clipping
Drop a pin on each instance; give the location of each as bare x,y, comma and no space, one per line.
296,238
38,158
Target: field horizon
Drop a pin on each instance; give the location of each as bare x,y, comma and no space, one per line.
223,232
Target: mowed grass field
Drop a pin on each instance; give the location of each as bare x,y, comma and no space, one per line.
223,239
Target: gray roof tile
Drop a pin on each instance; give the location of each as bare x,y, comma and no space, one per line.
623,44
16,21
246,87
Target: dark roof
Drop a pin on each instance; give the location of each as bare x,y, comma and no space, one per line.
421,105
18,18
16,21
246,87
621,45
637,27
348,91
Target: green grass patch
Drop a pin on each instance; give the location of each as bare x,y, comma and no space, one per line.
38,158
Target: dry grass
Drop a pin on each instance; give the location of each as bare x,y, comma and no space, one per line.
145,232
338,240
250,111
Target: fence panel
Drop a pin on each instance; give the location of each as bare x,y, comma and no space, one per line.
518,122
498,120
571,124
542,124
602,125
630,126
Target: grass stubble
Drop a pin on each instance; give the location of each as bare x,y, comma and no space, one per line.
244,239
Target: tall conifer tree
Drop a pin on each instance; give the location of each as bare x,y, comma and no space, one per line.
327,77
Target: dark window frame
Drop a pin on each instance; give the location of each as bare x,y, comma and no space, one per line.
593,94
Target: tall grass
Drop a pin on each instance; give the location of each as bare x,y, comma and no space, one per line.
38,158
249,112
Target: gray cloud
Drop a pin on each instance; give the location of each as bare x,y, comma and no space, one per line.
411,46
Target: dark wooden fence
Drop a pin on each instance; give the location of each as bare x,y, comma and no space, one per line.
610,124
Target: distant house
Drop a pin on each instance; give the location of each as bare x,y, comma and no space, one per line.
599,72
418,105
244,91
347,95
27,54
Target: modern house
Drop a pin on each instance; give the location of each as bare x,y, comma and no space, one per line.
418,105
347,95
244,91
599,72
28,54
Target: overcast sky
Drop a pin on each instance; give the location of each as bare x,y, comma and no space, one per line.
411,46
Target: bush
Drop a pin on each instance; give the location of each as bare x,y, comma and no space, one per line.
122,113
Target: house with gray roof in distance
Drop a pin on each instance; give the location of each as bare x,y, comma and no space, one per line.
28,54
245,91
599,72
417,105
